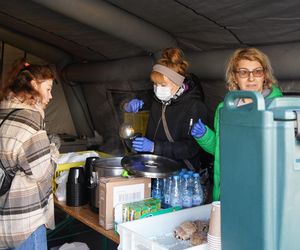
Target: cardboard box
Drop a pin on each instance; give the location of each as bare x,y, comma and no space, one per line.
117,190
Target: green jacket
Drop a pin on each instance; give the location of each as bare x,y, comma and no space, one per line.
210,143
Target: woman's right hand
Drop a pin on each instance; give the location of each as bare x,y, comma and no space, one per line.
134,105
198,129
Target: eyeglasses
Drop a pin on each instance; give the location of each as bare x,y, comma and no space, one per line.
245,73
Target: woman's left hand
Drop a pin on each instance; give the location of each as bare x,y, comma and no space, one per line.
198,129
142,144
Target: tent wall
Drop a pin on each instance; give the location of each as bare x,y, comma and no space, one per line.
83,95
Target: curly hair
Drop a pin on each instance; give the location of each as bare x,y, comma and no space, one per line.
251,54
172,58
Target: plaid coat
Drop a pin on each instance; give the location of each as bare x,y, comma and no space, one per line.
24,144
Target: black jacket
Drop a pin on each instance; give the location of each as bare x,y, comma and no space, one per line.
178,115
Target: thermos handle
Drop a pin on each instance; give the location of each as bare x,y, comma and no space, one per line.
232,96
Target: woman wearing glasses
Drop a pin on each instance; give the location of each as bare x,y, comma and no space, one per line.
248,69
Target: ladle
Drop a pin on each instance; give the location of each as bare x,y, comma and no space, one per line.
127,134
126,131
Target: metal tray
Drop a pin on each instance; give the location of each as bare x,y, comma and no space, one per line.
149,165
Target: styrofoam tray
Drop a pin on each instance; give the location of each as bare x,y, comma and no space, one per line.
156,233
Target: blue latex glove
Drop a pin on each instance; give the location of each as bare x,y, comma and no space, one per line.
198,129
142,144
134,106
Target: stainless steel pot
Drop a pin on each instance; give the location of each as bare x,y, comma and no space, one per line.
102,167
150,165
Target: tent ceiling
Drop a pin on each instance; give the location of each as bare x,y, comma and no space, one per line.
194,25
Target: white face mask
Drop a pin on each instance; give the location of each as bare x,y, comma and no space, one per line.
163,93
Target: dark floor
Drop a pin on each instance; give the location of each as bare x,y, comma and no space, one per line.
70,230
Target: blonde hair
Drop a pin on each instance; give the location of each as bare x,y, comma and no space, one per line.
172,58
251,54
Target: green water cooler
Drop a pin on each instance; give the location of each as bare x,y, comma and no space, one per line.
260,173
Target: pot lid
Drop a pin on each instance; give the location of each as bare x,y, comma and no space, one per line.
149,165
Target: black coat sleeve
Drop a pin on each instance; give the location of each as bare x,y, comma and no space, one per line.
178,119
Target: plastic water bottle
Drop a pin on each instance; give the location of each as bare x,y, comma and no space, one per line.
181,180
167,192
186,192
156,188
183,170
197,191
175,192
191,178
164,183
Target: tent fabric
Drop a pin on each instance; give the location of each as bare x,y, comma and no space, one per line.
93,58
195,25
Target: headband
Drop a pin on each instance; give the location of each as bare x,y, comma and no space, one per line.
171,74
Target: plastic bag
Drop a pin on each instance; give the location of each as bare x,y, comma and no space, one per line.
76,157
74,246
61,181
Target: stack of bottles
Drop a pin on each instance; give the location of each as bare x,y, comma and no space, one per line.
182,189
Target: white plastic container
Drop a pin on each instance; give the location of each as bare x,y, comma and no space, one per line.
156,233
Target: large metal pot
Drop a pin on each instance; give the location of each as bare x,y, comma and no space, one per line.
102,167
150,165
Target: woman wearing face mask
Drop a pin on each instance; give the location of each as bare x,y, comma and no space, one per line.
177,103
248,69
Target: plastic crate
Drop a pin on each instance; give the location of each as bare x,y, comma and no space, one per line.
156,233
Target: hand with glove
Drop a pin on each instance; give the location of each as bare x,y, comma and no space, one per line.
142,144
198,129
134,105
